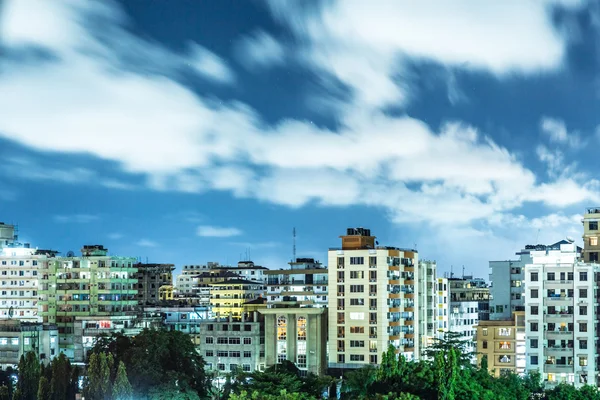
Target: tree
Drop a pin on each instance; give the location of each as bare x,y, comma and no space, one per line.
282,395
356,384
61,374
4,393
73,388
121,387
97,383
43,392
29,376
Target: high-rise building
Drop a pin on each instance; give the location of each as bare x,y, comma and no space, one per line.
7,234
19,281
87,296
427,282
561,316
507,291
443,307
151,277
591,235
372,301
503,343
296,316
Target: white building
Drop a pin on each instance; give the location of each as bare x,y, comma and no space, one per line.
561,316
19,282
7,234
427,282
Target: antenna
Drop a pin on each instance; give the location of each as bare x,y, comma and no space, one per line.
294,245
451,271
463,272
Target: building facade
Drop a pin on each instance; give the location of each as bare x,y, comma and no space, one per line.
296,317
18,338
228,297
94,285
7,234
427,311
150,278
561,316
372,301
591,235
502,342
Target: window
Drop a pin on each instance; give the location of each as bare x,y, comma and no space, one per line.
535,310
534,293
504,331
582,310
301,361
301,325
357,302
341,317
485,331
340,290
340,262
341,304
534,360
583,276
516,283
551,276
583,361
357,288
357,274
583,293
583,327
282,328
246,367
533,326
357,316
222,353
534,277
247,354
340,276
357,357
341,332
593,225
357,329
341,359
373,359
221,367
504,346
593,241
222,340
357,260
357,343
533,343
209,353
593,256
583,344
504,359
234,354
341,345
235,340
484,344
209,340
372,290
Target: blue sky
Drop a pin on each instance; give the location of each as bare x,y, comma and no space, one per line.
195,131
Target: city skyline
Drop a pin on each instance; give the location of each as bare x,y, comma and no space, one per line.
200,132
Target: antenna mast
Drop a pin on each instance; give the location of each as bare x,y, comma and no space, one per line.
294,245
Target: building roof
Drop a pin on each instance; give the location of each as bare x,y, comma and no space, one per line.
258,300
236,282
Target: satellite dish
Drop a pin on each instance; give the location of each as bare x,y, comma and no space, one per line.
70,253
11,312
570,239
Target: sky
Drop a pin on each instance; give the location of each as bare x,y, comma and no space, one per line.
192,131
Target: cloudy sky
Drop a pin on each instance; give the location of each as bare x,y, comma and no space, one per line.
191,131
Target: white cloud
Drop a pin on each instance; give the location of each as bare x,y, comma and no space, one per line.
115,236
217,231
146,243
151,125
210,65
556,130
260,49
76,218
361,43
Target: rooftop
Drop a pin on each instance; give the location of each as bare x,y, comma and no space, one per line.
236,282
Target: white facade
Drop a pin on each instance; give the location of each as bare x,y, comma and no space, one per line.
463,319
7,235
19,283
561,316
427,282
443,307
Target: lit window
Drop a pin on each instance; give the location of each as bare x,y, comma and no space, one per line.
281,328
593,241
504,331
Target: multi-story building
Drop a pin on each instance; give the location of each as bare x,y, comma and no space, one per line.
591,235
186,283
443,307
228,346
502,342
427,282
561,316
19,281
95,289
372,301
18,338
296,317
507,290
151,277
228,297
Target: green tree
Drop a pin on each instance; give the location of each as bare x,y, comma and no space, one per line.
356,384
73,388
98,379
4,393
43,392
61,374
18,394
121,387
282,395
29,376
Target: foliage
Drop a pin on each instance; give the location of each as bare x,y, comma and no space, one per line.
156,358
4,393
29,376
97,383
282,395
121,388
43,392
61,374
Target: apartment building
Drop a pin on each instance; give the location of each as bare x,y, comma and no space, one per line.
296,316
427,311
372,301
443,307
94,293
19,281
186,283
502,342
591,234
18,338
228,297
507,290
7,234
151,277
228,345
561,316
